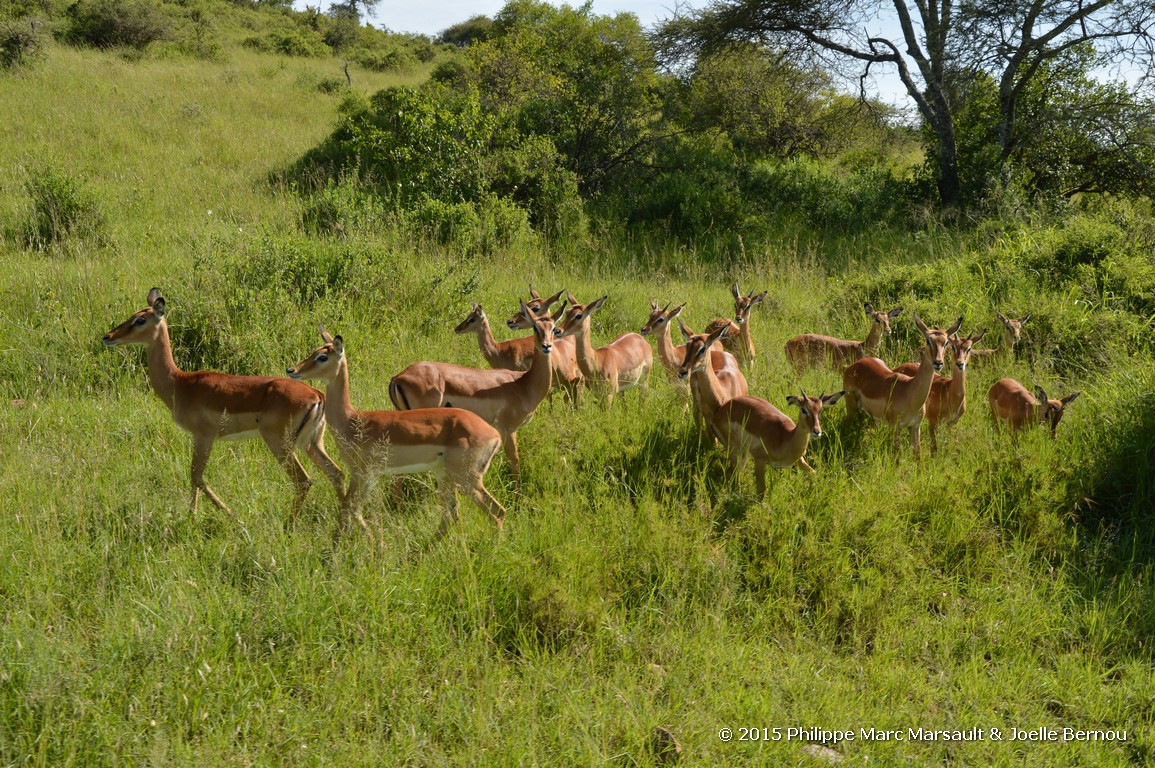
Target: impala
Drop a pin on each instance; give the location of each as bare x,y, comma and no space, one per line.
947,401
505,399
670,355
896,398
211,406
567,376
739,342
1011,403
454,444
750,426
623,363
812,350
710,387
1012,334
512,355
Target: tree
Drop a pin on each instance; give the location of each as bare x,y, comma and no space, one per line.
938,44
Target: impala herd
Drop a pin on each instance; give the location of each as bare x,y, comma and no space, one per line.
452,419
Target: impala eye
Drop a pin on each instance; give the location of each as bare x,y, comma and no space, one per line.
701,351
139,321
661,320
578,316
322,358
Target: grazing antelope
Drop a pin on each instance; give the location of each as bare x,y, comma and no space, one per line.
623,363
1012,334
512,355
947,401
711,386
1011,403
812,350
896,398
670,355
750,426
739,342
567,376
505,399
454,444
211,406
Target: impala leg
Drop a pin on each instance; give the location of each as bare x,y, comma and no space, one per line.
287,458
316,453
760,477
480,494
447,489
916,441
509,443
202,449
354,498
801,464
931,428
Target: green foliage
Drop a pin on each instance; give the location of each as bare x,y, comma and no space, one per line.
21,43
292,41
824,197
117,23
63,208
462,34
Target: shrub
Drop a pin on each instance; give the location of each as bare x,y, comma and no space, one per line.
393,60
21,43
62,208
116,23
289,42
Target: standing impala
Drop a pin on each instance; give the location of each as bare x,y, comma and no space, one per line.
947,401
623,363
505,399
739,342
710,387
1012,335
750,426
896,398
512,355
567,376
286,414
1013,405
454,444
670,355
812,350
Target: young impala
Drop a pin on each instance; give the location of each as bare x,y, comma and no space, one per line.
455,444
670,355
505,399
512,355
286,414
1012,335
623,363
710,387
567,376
812,350
750,426
947,401
896,398
739,342
1013,405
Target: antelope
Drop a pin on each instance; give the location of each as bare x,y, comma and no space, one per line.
512,355
750,426
1011,403
947,401
670,355
567,376
505,399
212,406
896,398
623,363
739,342
1012,334
456,445
711,387
812,350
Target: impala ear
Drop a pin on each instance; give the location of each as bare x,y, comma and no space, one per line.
734,290
1071,398
533,294
1002,318
954,328
653,304
596,305
338,346
894,312
832,398
548,302
685,331
1024,318
570,298
869,308
1041,394
919,324
325,335
153,295
523,310
476,307
158,306
719,334
677,310
976,336
559,313
759,298
793,400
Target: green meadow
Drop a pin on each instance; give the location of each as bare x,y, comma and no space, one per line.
999,583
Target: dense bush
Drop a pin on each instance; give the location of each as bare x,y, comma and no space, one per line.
21,42
63,208
289,42
116,23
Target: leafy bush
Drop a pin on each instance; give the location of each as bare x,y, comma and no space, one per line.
290,42
21,43
116,23
392,60
825,198
533,175
62,208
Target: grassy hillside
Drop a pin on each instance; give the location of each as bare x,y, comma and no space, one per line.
999,584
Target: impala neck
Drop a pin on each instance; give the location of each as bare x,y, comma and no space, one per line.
587,358
486,341
710,387
958,385
873,339
924,376
539,377
799,437
338,408
746,338
162,370
666,349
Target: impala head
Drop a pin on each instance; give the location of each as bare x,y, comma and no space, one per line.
743,304
323,363
962,348
811,407
698,349
142,327
537,304
473,321
882,319
1051,411
543,325
936,340
578,316
1013,328
660,317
